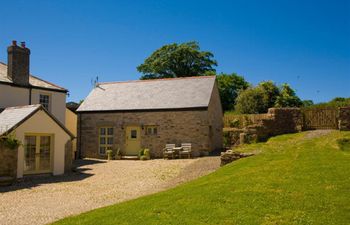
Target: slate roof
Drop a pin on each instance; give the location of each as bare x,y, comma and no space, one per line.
33,80
173,93
12,117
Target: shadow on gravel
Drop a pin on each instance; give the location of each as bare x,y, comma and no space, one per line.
32,181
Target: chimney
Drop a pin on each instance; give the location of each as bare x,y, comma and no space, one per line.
18,63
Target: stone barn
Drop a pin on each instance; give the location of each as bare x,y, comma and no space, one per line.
140,114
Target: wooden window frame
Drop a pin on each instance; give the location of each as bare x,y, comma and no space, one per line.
47,105
105,136
154,130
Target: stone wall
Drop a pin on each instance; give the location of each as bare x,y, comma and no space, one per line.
172,127
215,115
8,161
278,121
68,156
344,118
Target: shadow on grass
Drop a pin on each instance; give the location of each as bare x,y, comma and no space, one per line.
31,181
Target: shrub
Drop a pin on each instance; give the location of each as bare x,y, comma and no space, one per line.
109,154
10,141
235,123
252,101
141,153
144,154
344,144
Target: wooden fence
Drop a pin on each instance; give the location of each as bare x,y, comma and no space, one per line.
320,118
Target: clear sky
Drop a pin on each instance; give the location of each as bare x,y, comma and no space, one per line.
304,43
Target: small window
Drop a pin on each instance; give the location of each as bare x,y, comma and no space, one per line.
151,130
133,134
45,101
106,139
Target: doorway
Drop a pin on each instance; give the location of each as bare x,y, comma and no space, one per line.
133,140
38,153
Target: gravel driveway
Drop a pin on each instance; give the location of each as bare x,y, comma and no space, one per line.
96,183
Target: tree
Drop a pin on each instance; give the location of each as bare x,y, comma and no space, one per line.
229,86
308,103
271,92
252,101
288,97
177,60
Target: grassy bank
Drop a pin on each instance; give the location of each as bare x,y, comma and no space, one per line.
296,179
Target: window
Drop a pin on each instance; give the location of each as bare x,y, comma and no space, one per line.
105,139
151,130
45,101
133,134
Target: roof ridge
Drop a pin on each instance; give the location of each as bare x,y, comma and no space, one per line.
160,79
47,82
23,106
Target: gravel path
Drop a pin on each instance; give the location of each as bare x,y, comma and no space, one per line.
96,183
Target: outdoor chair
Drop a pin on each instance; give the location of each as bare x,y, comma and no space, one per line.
186,149
169,151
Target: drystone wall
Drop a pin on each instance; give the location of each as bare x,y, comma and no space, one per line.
344,118
278,121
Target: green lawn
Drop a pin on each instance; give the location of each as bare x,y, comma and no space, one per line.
294,180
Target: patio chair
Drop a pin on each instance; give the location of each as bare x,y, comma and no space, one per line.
169,151
186,150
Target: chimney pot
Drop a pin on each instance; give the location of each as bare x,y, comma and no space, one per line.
14,43
23,44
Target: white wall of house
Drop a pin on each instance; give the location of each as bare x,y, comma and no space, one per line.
16,96
13,96
41,123
57,102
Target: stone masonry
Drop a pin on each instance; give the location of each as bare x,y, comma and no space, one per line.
344,118
182,126
8,159
279,121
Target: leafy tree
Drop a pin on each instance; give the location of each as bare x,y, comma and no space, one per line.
288,97
177,60
252,101
271,92
308,103
229,86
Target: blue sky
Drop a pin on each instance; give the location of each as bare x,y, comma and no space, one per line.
304,43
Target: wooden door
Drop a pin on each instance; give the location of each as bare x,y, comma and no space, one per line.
133,140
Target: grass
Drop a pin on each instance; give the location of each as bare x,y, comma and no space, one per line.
294,180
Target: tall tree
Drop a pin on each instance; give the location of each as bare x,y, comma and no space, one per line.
288,98
271,92
177,60
229,87
251,101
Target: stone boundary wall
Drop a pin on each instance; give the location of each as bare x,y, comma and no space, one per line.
279,121
8,159
344,118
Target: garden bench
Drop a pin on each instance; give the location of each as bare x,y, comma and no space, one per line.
169,151
186,149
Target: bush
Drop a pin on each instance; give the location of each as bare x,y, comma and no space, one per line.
344,144
235,123
144,154
109,154
10,141
252,101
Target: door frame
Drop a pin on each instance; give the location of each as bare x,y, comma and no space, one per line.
37,137
128,127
